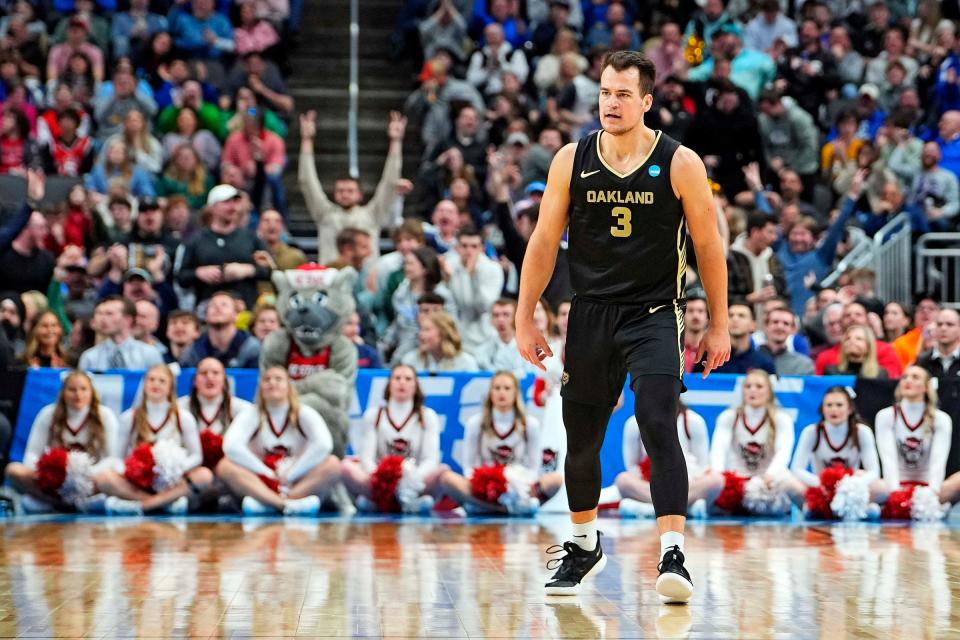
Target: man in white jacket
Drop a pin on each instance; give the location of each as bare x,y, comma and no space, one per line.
497,57
475,282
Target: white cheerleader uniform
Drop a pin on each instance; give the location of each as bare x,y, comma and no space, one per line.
822,445
911,450
742,443
395,429
254,436
507,445
76,436
166,423
692,432
211,415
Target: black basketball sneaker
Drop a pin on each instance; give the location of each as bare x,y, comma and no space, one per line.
573,568
674,584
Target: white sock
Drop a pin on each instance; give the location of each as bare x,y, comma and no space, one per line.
585,535
669,540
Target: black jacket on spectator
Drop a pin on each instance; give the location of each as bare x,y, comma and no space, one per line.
210,248
139,246
27,273
12,227
810,91
734,138
744,361
935,366
740,277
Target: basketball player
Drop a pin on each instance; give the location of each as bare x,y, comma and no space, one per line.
628,195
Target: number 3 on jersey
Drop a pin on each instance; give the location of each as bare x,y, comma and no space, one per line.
623,228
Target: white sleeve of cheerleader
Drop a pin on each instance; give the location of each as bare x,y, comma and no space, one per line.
319,444
113,456
632,446
868,453
887,448
367,447
430,442
722,435
534,448
801,457
124,440
699,441
783,444
939,449
39,436
235,442
471,442
190,438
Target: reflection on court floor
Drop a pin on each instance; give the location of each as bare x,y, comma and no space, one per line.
477,579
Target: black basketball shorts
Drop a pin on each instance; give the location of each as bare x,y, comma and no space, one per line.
605,341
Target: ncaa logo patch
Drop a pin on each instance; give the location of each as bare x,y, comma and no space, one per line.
654,170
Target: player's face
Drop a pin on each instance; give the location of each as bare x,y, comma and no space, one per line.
77,392
913,383
836,408
156,385
503,393
274,385
403,384
756,391
210,378
621,104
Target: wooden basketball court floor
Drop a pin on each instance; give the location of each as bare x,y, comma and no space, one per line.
476,578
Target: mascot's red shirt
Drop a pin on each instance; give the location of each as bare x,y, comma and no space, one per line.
300,366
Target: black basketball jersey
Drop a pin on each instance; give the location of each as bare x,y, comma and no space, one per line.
627,232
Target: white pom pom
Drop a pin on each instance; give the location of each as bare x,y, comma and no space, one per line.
169,464
516,498
762,500
410,486
852,498
78,483
925,505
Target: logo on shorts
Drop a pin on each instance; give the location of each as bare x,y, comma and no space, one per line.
565,378
655,309
654,170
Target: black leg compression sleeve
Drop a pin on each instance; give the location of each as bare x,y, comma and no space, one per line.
586,425
656,411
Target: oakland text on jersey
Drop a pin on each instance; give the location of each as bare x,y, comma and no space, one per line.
620,197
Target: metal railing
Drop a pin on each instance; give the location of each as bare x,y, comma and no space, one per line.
937,267
354,88
887,254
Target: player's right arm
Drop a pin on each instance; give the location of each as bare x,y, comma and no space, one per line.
541,254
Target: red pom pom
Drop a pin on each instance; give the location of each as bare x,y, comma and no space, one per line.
212,445
539,387
384,481
899,504
138,467
645,469
731,497
488,483
818,499
271,461
52,469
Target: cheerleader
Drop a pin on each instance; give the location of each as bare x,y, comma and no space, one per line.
403,427
158,422
212,406
76,421
634,483
503,434
752,441
838,439
277,454
913,436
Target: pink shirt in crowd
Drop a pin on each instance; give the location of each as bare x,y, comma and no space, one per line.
238,151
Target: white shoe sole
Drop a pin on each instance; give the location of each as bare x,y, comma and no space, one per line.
674,588
574,590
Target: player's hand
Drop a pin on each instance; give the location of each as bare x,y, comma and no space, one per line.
532,344
714,349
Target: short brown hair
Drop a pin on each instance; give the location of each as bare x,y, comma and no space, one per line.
179,314
623,60
129,309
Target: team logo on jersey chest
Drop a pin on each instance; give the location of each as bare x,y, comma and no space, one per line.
400,447
911,450
549,460
752,454
503,454
614,196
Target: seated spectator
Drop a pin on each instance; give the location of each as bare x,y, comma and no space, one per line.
116,163
81,226
276,11
445,28
754,271
695,321
431,103
673,110
148,240
11,326
19,99
743,355
808,72
935,191
367,356
750,70
572,101
253,149
147,282
896,321
187,132
77,31
24,32
439,346
177,218
790,138
475,281
707,22
98,28
69,153
208,115
222,340
857,355
346,210
850,63
842,150
245,100
501,353
910,345
422,275
779,327
264,79
120,218
353,249
111,111
26,257
445,223
855,314
894,50
18,151
140,143
669,54
222,253
183,329
495,58
48,124
132,30
943,360
601,33
878,176
113,319
147,324
186,176
270,230
45,344
203,33
436,179
254,34
769,26
264,320
548,67
890,204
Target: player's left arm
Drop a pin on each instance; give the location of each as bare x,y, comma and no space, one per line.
688,177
